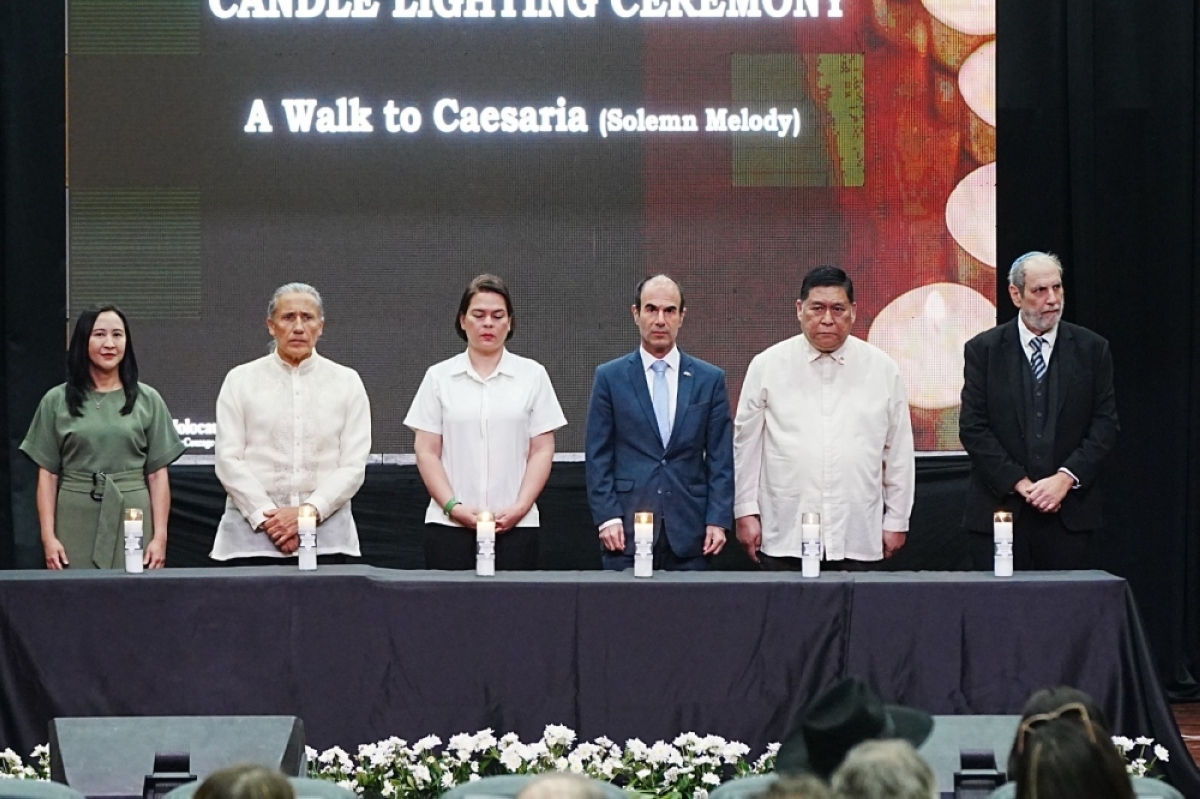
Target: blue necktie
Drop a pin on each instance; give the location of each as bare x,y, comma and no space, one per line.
662,400
1037,362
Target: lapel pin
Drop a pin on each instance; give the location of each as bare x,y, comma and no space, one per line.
687,374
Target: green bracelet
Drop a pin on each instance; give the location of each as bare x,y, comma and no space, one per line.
449,506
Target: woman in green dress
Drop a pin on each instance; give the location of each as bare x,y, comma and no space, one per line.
102,442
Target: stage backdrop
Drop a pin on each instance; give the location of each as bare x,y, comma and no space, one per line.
386,151
1097,104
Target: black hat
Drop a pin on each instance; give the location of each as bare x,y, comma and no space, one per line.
840,719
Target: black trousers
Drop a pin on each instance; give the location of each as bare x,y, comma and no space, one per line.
771,563
453,548
1040,543
322,560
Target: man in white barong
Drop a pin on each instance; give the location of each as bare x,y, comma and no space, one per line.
293,429
823,427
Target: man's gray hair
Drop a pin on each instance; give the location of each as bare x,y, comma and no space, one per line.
295,288
561,785
1016,275
884,770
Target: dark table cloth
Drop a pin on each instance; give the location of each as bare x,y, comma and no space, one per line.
361,653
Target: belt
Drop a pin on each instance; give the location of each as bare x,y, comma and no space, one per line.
105,489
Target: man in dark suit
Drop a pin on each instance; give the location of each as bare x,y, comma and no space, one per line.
1038,417
660,439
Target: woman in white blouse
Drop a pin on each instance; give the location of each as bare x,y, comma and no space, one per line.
484,423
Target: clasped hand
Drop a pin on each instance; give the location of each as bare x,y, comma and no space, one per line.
1047,494
282,526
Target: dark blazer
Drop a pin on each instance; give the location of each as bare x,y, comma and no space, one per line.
689,483
992,423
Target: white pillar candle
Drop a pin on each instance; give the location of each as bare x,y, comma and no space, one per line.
485,544
1002,526
810,545
643,544
307,522
133,541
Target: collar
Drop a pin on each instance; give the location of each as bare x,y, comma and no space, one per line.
461,365
672,359
306,366
1027,336
811,353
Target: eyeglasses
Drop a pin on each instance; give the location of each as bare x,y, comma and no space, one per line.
1033,722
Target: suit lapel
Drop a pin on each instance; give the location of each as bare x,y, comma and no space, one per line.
1064,352
683,397
637,381
1018,365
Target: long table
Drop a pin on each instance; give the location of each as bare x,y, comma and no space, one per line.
361,653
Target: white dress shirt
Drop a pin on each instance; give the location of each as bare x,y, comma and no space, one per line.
288,436
827,434
1027,337
1049,337
672,375
486,425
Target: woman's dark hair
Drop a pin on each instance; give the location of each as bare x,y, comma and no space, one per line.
245,781
1067,757
494,285
79,363
1047,701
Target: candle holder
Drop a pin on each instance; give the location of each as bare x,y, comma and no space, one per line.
810,545
643,544
485,544
306,520
1002,531
133,540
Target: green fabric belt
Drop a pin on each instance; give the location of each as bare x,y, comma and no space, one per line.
105,489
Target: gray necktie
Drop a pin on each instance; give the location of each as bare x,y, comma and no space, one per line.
1037,362
662,401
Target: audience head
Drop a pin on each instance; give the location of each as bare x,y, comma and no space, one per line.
561,785
245,781
1065,755
100,344
1047,701
841,718
884,770
485,317
797,786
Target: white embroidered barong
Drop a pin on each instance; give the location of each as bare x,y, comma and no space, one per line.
286,436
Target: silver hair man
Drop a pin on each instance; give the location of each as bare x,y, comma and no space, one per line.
884,770
1016,274
295,288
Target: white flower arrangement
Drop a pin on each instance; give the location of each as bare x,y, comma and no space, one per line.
686,768
12,768
1137,763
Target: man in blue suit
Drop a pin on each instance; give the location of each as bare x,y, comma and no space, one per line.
660,439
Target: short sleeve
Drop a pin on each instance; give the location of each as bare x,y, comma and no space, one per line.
163,446
426,411
546,414
42,443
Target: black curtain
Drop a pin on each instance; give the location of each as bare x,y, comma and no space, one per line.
32,249
1097,111
1097,108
